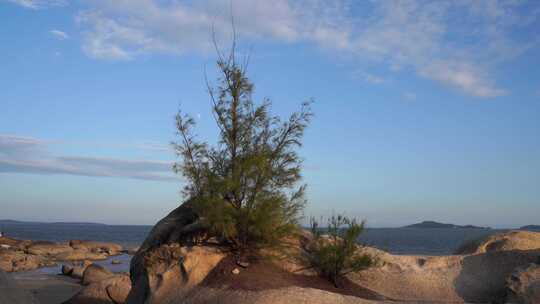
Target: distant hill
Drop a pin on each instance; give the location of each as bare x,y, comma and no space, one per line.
530,228
433,224
12,222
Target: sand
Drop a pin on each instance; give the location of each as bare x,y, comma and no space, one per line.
47,288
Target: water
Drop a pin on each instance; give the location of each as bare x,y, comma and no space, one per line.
394,240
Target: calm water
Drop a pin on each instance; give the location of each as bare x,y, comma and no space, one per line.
394,240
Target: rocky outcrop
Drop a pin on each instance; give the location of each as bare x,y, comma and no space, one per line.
19,255
48,249
460,278
507,241
290,295
96,247
10,293
95,273
112,290
524,285
12,261
168,268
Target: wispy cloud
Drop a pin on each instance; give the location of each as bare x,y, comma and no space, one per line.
59,34
38,4
432,38
410,96
30,155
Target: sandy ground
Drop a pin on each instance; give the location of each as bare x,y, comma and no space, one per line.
47,288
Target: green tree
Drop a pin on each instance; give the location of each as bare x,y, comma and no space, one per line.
335,253
243,188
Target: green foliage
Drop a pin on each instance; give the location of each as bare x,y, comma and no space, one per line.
335,253
243,186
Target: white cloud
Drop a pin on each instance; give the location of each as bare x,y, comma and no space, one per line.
462,76
59,34
456,43
373,79
38,4
29,155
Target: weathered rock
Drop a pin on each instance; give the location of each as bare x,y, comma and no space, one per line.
469,278
95,273
524,285
96,247
10,293
507,241
80,255
67,269
48,249
12,261
171,270
112,290
78,270
291,295
235,271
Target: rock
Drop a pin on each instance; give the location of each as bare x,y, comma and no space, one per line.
131,250
171,271
67,269
507,241
112,290
48,249
11,293
96,247
12,261
177,229
478,278
80,255
290,295
524,285
78,270
235,271
242,264
116,262
95,273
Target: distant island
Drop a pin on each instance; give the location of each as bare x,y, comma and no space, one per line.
433,224
13,222
530,228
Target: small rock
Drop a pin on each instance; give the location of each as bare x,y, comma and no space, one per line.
116,262
235,271
67,269
242,264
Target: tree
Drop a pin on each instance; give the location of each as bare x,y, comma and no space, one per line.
335,253
244,188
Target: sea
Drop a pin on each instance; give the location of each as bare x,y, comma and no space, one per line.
410,241
406,241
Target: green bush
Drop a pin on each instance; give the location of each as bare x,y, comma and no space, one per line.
244,187
335,253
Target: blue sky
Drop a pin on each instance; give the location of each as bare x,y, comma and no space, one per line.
424,109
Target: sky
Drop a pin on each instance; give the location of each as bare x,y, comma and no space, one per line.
424,110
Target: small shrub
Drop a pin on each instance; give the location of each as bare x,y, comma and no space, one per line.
335,253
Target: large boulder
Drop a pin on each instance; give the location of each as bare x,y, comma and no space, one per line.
112,290
171,271
524,285
468,278
10,293
507,241
95,273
